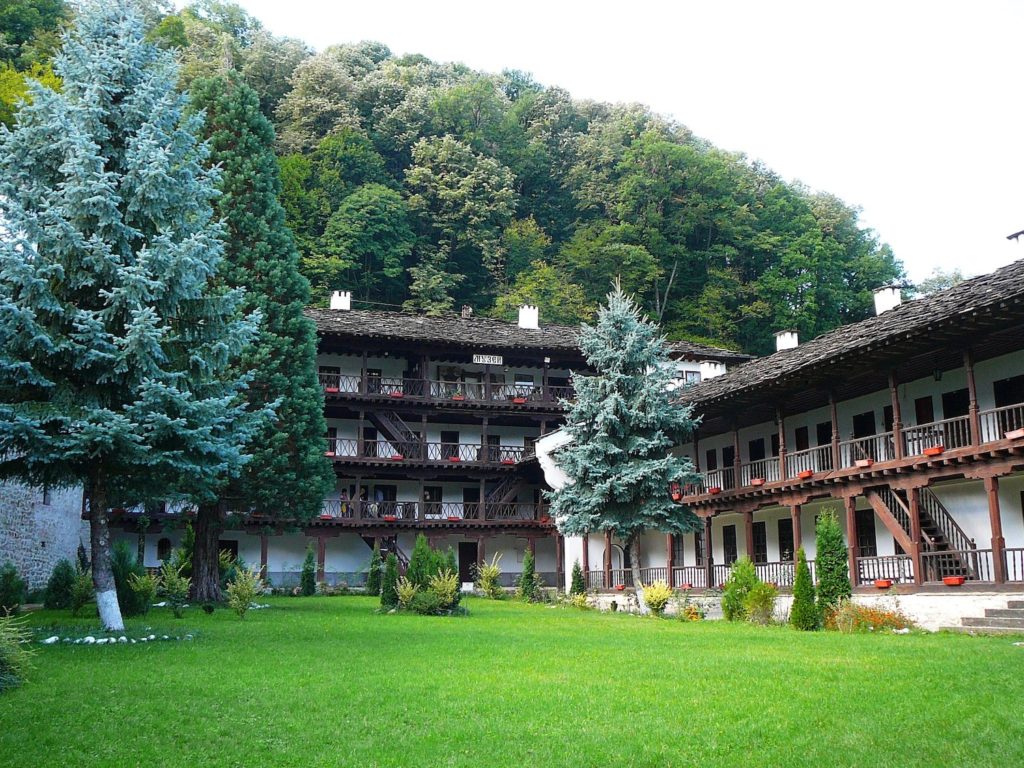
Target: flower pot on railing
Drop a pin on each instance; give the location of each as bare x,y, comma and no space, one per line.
329,454
883,583
863,463
807,474
935,450
1015,434
397,457
545,519
620,587
677,496
508,461
454,458
686,585
453,518
326,517
519,400
714,490
757,481
390,518
331,390
953,581
458,397
397,394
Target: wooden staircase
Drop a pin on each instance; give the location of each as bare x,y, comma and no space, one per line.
393,429
389,544
504,492
996,621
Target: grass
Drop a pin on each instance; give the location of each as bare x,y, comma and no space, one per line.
326,682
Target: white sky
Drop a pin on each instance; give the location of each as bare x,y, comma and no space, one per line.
909,110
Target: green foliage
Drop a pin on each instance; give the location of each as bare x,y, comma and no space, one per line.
307,580
425,602
578,585
421,563
389,584
831,563
623,425
60,585
144,588
580,600
849,617
759,604
527,584
174,588
742,579
82,592
373,577
15,656
406,592
657,595
557,298
445,584
181,557
243,590
14,87
12,589
488,578
804,614
124,566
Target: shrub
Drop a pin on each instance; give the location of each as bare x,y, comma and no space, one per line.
527,587
426,602
580,600
578,586
488,578
82,591
182,555
742,578
175,588
228,567
144,588
14,655
804,614
243,589
423,563
656,596
373,577
124,565
445,585
60,585
406,592
307,581
389,583
832,564
759,604
12,589
851,617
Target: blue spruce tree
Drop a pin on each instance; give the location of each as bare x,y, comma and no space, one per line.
623,426
114,352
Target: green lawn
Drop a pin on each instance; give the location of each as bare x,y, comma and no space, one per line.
325,681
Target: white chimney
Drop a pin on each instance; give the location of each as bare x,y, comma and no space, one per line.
887,297
711,368
341,300
786,340
529,317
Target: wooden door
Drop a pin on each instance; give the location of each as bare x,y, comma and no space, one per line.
467,561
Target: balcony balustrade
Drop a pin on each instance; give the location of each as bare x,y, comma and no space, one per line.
430,452
432,511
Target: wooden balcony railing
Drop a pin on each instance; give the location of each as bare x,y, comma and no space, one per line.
432,452
996,422
762,469
431,511
874,448
948,433
897,568
818,459
972,564
443,391
1014,563
694,575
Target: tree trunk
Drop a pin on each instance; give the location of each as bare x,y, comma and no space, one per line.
206,555
633,545
102,575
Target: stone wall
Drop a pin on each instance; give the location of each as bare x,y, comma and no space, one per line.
34,535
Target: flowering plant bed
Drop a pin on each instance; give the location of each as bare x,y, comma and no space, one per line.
806,474
863,463
883,583
953,581
935,450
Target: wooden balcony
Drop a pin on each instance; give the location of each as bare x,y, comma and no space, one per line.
351,450
448,393
688,577
342,511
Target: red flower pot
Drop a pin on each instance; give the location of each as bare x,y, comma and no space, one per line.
397,395
863,463
686,585
329,454
454,458
390,518
883,583
397,457
806,474
453,518
519,400
953,581
458,397
620,587
756,481
508,461
326,517
677,496
714,490
935,450
331,390
1015,434
545,520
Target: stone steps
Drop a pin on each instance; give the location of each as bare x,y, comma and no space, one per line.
983,630
996,621
1015,604
1006,613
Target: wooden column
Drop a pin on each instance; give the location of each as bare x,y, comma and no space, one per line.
362,376
481,513
357,503
421,509
781,418
850,504
794,513
972,393
586,558
544,379
696,450
560,562
834,415
321,556
608,559
996,522
897,420
487,383
360,437
480,550
736,458
423,437
670,558
748,528
531,543
709,563
264,547
485,451
914,497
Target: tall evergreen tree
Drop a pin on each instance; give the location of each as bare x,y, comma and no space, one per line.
288,475
623,426
831,563
114,353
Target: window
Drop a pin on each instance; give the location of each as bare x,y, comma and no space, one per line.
802,440
728,456
698,546
924,410
691,377
760,542
163,549
864,424
786,548
678,550
866,542
775,444
711,460
729,543
955,403
755,449
823,433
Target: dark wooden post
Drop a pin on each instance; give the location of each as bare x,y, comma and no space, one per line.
360,437
362,376
972,393
264,547
996,522
357,502
736,457
914,497
696,450
321,556
423,437
586,559
531,543
484,448
897,420
425,376
481,511
608,559
709,563
795,512
670,559
421,509
780,417
480,550
850,504
834,415
748,529
487,383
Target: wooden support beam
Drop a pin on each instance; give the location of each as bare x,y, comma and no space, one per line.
914,497
972,395
560,562
897,420
795,512
696,449
709,562
781,419
362,376
670,558
586,556
834,415
748,527
996,523
850,505
321,557
736,458
608,559
480,550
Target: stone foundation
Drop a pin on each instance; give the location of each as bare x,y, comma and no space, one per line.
34,535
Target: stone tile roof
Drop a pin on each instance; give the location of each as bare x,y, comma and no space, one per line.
980,300
476,333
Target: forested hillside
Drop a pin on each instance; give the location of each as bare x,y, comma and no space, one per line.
430,185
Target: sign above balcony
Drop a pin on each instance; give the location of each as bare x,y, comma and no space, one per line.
488,359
